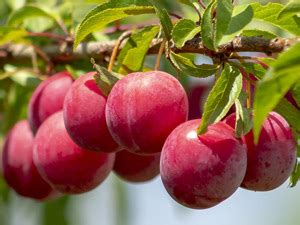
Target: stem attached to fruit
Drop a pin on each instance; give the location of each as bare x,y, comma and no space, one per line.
159,55
116,49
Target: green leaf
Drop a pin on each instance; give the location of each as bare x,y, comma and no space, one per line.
164,19
242,16
186,2
260,33
10,34
269,14
296,92
188,67
105,14
243,120
295,176
54,212
224,12
18,16
255,68
222,96
289,112
275,84
292,8
207,27
132,55
183,31
105,79
21,76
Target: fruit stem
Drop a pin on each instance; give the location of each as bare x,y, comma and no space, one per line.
116,49
248,90
159,55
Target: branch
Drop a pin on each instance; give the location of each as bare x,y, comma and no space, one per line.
63,54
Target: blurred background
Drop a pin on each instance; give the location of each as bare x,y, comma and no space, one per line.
116,202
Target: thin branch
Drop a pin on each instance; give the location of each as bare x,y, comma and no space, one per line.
63,53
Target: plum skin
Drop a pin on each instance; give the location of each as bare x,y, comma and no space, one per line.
136,168
201,171
143,108
272,160
19,170
84,115
48,98
67,167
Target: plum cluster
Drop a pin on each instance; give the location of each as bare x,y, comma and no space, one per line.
75,136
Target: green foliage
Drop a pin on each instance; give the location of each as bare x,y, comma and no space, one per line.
222,96
183,31
292,8
107,13
207,27
164,19
269,14
243,122
18,16
278,80
258,33
188,67
132,55
223,18
105,79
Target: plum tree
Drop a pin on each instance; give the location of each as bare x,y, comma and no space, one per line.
19,170
68,167
143,108
136,168
272,160
200,171
84,115
48,98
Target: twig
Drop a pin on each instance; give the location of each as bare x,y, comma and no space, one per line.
159,55
116,49
98,50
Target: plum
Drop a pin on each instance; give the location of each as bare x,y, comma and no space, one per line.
272,160
143,108
19,170
48,98
84,115
67,167
200,171
136,168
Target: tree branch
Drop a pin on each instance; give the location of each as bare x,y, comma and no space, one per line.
63,54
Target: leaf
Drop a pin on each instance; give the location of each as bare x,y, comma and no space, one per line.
275,84
105,79
183,31
105,14
292,8
222,96
11,34
242,16
23,77
289,112
258,33
295,176
243,120
207,27
132,55
269,14
164,19
54,212
188,67
296,92
255,68
18,16
224,12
